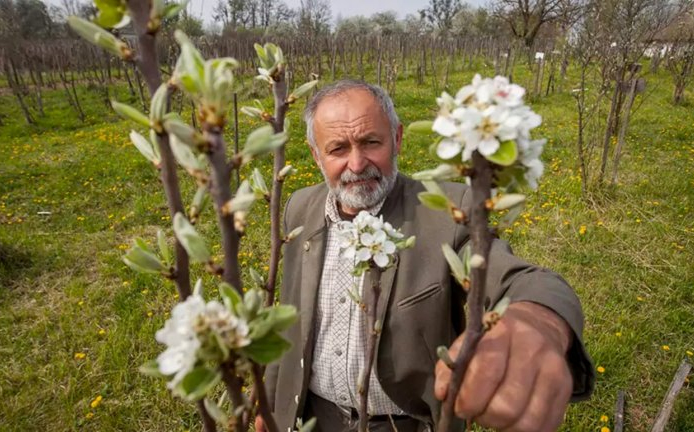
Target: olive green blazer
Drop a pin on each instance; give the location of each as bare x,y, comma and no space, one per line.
420,305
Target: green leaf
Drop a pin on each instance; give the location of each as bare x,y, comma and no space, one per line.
145,147
198,382
109,18
184,132
421,126
506,155
151,368
501,306
130,113
454,262
308,426
303,89
261,141
216,412
143,261
433,201
507,201
95,34
191,241
283,316
173,9
440,173
258,184
185,156
164,247
157,108
267,349
230,296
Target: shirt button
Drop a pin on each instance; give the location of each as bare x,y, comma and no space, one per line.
342,299
307,246
338,352
343,398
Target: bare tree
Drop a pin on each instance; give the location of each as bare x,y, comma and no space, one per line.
527,17
440,13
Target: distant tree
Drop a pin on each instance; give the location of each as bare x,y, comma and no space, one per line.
386,22
314,17
354,26
30,18
527,17
440,13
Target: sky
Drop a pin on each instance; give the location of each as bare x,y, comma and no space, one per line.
344,8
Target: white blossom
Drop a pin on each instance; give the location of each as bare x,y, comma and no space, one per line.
368,239
481,117
191,321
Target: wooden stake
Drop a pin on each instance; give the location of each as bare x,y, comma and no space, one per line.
669,401
619,412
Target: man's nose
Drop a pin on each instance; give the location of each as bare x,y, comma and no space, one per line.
357,161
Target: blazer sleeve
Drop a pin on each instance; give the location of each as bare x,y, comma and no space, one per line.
509,276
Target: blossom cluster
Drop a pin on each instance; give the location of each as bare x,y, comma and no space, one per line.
484,116
196,327
368,239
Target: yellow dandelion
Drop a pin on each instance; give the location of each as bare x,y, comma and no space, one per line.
600,369
604,429
95,403
582,230
80,355
666,348
80,303
618,334
600,223
89,415
690,354
102,332
604,418
150,313
639,298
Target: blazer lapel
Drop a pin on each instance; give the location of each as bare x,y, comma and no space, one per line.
311,269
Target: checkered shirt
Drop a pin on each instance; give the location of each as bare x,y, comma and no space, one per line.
340,341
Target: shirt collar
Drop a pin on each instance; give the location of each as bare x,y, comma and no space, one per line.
332,214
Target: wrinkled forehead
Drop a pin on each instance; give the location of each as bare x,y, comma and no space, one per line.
348,106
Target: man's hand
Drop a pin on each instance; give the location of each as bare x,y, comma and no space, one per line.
259,424
518,380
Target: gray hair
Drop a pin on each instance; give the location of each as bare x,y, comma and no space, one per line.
341,87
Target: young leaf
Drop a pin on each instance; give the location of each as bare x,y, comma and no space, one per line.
198,382
433,201
164,247
157,109
421,126
454,262
142,260
191,241
506,155
267,349
185,156
502,305
172,9
145,147
130,113
216,412
151,368
507,201
283,316
302,90
184,132
230,296
258,184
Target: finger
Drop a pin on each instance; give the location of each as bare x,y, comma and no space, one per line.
259,424
545,410
484,374
443,378
443,372
512,396
561,402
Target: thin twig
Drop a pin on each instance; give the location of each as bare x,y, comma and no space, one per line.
372,334
481,244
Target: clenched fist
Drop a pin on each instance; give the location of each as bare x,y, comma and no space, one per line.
518,380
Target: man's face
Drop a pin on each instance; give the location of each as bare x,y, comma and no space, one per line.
355,149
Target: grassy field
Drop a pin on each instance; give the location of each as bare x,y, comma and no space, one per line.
76,323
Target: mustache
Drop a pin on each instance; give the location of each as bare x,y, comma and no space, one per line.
371,172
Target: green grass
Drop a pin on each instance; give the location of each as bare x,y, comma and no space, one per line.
65,292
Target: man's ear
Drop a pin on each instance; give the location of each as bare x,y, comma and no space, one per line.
398,139
314,153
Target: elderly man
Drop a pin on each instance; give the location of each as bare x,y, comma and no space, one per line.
526,369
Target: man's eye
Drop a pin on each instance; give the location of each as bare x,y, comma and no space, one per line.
337,150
